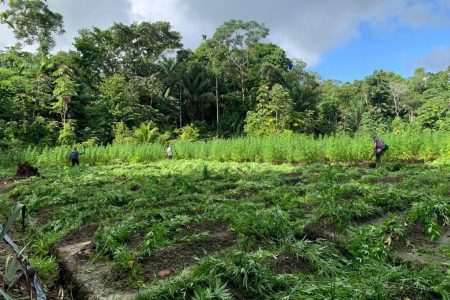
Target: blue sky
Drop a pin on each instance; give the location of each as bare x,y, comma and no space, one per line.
339,39
400,51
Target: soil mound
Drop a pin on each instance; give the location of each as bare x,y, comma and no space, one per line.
26,170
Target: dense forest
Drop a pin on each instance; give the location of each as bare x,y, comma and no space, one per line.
137,84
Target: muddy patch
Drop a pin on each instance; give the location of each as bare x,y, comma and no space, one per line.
92,279
414,235
211,226
81,234
374,220
174,258
415,247
290,263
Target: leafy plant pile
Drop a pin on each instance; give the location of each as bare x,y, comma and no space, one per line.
210,230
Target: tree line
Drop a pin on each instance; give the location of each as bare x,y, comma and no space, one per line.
136,83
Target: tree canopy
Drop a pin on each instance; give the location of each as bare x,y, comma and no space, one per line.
136,83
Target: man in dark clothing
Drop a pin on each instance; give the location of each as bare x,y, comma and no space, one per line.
75,157
379,146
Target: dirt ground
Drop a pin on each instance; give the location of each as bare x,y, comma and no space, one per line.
289,263
176,257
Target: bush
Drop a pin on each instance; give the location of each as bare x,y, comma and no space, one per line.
188,133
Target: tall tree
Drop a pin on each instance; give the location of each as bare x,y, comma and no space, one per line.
196,91
65,89
398,92
273,113
131,50
32,21
239,37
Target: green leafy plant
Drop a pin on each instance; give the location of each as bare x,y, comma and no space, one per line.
434,213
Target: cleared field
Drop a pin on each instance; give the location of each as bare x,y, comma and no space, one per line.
211,230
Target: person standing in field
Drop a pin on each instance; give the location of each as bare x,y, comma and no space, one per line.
169,152
379,146
75,157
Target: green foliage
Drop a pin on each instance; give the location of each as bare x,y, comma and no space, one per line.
12,265
65,90
125,260
293,148
119,99
119,92
188,133
122,135
241,221
373,242
67,134
433,213
268,225
45,266
146,133
153,240
273,112
31,21
129,50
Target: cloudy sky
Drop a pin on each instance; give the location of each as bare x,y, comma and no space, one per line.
339,39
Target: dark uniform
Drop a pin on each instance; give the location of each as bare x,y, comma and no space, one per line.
379,146
75,157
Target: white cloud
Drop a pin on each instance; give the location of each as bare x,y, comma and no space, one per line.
437,60
306,29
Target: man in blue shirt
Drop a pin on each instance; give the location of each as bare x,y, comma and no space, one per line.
74,157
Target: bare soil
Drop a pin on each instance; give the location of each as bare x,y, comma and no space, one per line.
289,263
81,234
212,226
416,248
178,256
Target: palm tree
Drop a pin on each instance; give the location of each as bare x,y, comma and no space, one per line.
173,80
196,89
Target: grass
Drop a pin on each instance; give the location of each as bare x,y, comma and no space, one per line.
349,225
409,146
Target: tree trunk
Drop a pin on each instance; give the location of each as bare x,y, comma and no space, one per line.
217,106
242,87
181,117
64,112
